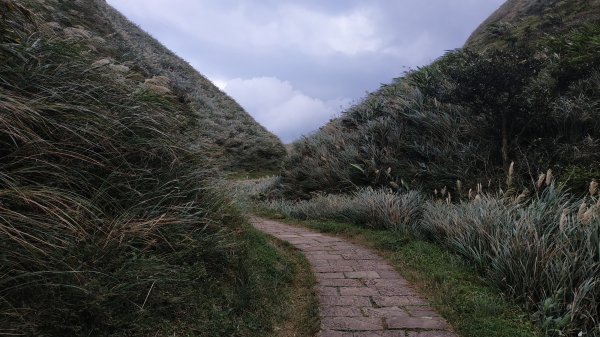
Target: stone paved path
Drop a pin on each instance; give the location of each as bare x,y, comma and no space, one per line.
360,294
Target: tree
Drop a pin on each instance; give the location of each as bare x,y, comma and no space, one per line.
492,84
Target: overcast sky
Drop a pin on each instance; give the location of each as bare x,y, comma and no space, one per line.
294,64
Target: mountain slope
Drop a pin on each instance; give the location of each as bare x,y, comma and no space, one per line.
247,144
236,140
466,117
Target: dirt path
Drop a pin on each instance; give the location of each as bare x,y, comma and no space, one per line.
360,294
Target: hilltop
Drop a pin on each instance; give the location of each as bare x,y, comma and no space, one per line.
527,21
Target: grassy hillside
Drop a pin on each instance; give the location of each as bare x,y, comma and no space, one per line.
240,141
120,47
466,117
111,221
502,140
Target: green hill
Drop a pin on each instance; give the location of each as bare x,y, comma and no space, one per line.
112,218
239,140
470,114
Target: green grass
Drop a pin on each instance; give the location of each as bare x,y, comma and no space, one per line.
460,295
540,19
451,284
298,316
271,292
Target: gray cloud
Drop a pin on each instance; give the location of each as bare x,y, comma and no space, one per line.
314,54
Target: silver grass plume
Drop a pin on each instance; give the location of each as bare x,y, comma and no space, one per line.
563,220
540,181
581,211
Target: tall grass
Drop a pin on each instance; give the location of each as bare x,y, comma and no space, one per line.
381,209
109,223
546,253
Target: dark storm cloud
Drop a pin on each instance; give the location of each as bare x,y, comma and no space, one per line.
292,64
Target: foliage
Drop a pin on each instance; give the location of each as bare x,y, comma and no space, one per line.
492,86
375,144
545,253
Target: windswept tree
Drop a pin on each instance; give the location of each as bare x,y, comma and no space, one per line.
493,84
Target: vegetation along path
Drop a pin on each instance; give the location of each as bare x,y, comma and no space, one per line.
360,294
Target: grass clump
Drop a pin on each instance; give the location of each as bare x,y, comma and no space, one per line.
371,208
544,253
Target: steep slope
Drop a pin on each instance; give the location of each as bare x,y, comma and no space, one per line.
247,144
236,140
527,21
112,222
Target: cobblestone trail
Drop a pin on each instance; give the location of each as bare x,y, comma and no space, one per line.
360,294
